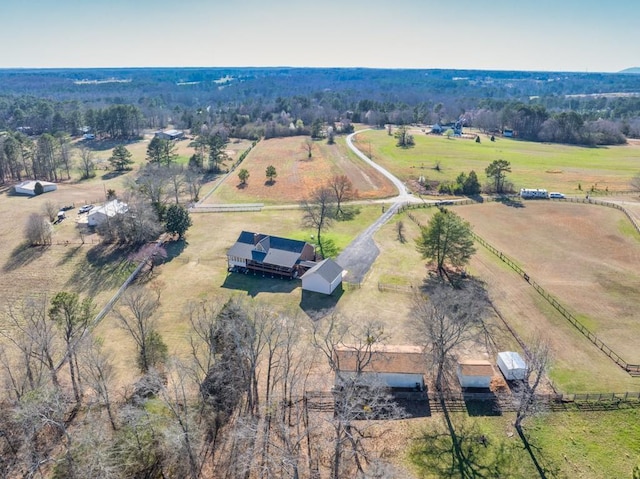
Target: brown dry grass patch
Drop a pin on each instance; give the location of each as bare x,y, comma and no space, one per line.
298,175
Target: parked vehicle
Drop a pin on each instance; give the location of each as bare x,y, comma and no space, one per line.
555,194
85,209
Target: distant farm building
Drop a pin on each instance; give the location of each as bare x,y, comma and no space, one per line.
100,214
29,187
512,365
323,278
270,255
170,134
475,373
393,366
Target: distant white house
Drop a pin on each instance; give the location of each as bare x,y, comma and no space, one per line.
170,134
29,187
324,277
393,366
99,214
512,365
475,373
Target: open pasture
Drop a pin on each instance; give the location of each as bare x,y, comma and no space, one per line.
534,165
571,275
298,175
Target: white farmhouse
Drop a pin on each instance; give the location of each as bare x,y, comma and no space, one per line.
512,365
324,277
29,187
394,366
100,214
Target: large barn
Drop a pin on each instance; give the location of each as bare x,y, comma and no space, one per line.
394,366
29,187
270,255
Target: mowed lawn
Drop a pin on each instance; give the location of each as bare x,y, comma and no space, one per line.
297,174
534,165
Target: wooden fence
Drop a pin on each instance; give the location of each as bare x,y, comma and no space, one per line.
396,288
324,401
633,369
229,208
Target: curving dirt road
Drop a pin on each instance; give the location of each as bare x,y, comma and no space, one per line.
358,257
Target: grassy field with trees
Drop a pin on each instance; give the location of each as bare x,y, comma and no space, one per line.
190,289
571,169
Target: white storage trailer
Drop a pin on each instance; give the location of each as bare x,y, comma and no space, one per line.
512,365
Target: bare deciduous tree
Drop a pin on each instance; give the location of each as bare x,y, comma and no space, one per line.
50,210
308,146
343,190
359,398
38,230
32,338
87,163
135,314
318,212
447,318
97,370
525,394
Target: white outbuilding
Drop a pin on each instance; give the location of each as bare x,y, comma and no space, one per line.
100,214
512,365
475,373
323,278
393,366
29,187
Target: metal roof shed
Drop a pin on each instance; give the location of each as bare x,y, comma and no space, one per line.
512,365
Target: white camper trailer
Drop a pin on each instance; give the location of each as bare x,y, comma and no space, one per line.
534,193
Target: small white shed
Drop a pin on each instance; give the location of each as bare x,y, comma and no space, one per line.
29,187
512,365
475,373
324,277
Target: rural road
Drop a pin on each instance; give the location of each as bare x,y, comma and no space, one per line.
358,257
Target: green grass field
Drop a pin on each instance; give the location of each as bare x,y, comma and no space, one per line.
585,444
533,165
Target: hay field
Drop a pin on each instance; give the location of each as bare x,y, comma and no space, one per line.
298,175
534,165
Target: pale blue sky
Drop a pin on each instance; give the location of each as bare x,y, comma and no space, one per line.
564,35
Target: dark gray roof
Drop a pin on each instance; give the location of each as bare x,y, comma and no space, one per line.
267,249
328,269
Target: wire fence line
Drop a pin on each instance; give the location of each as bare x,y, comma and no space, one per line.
633,369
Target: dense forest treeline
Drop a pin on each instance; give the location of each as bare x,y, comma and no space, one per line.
574,108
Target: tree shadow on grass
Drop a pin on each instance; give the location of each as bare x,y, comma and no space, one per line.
269,182
349,213
114,174
254,283
318,305
69,254
459,449
537,458
174,249
22,255
509,201
106,267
